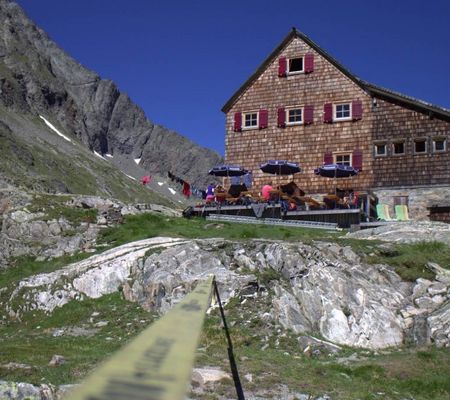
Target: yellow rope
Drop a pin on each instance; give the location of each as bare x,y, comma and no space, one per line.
157,364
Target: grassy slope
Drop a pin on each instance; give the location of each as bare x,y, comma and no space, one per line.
398,374
19,340
394,374
42,166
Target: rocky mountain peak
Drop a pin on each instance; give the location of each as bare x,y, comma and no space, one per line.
39,78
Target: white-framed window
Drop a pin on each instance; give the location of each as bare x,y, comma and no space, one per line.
380,149
250,120
439,144
343,158
295,65
420,146
398,148
294,116
342,112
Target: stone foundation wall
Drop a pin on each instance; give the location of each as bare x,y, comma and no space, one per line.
440,214
418,199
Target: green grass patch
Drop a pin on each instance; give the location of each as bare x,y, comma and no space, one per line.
410,260
54,207
31,342
148,225
23,267
274,358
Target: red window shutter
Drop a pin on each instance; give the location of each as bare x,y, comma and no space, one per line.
308,115
357,110
263,119
238,122
328,113
282,66
309,63
281,120
328,158
357,159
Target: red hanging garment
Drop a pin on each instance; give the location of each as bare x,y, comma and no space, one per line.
145,180
186,189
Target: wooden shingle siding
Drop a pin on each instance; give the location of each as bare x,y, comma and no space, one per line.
392,123
307,143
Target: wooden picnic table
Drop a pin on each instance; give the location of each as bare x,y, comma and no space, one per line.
332,198
310,201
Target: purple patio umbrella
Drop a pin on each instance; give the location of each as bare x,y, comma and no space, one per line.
280,167
227,170
336,171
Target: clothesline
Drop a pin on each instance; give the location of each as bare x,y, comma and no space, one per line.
187,189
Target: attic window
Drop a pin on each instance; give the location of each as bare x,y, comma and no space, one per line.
295,65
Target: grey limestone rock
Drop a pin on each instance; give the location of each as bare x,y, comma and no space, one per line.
319,287
407,232
27,391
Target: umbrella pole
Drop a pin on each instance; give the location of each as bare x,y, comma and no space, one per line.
335,182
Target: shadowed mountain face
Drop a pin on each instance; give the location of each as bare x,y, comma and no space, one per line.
39,79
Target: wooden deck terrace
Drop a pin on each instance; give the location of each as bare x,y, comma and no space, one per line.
343,217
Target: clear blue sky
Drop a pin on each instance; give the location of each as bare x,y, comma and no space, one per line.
181,60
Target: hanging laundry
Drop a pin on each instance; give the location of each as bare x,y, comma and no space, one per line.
145,180
186,189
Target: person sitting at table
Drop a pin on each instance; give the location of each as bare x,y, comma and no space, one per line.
265,191
220,194
210,193
352,200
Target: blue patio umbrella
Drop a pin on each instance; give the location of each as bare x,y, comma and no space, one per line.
280,167
336,171
227,170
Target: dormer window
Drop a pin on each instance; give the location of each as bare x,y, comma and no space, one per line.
295,65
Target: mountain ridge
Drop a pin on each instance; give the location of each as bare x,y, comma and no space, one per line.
37,78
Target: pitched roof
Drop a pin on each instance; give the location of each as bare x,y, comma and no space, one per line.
370,89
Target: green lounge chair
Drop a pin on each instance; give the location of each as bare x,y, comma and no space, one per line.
383,212
401,213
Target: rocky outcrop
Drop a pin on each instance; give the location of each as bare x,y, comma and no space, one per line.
38,78
22,391
23,232
407,232
93,277
320,287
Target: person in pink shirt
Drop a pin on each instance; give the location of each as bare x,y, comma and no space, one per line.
265,191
